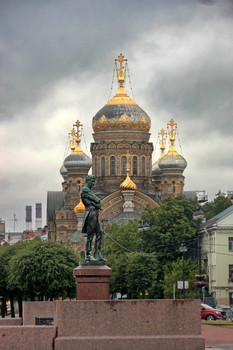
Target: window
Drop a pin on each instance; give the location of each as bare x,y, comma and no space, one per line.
135,166
143,166
95,170
173,186
230,244
112,166
78,186
231,272
123,165
103,166
165,187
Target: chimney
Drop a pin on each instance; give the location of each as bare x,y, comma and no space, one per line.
28,217
38,222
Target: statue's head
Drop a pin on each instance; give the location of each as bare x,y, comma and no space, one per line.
90,180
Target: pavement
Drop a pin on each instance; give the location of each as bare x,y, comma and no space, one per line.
217,337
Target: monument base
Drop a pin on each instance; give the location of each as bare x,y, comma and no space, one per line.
108,325
92,282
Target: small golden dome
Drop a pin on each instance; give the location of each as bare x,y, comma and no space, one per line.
80,207
128,184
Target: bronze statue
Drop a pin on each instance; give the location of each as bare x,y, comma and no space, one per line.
91,225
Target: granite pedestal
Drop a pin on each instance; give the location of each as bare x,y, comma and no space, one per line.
92,281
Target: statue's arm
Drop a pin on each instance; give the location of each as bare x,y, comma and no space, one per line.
90,198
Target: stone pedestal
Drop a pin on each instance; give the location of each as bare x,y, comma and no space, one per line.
92,282
108,325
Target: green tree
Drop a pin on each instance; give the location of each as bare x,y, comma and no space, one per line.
6,254
173,272
141,274
119,274
122,239
170,224
216,206
43,269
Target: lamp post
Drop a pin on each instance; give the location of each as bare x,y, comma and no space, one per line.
182,250
143,227
198,216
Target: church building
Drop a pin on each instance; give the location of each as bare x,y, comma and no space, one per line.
121,161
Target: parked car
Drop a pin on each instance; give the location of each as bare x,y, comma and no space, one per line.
223,309
209,313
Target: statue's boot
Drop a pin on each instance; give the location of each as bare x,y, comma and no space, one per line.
99,256
89,255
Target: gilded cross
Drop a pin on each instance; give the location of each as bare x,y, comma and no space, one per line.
120,70
162,140
173,126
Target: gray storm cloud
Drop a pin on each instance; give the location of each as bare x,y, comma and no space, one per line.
56,67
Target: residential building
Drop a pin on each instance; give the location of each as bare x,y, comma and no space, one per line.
217,255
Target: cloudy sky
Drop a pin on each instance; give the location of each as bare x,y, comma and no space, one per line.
56,65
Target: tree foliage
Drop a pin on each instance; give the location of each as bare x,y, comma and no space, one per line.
42,269
141,274
138,257
122,238
170,225
133,271
216,206
173,272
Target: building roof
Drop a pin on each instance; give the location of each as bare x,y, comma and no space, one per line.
55,200
214,220
124,217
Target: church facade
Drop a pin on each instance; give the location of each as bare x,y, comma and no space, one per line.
121,161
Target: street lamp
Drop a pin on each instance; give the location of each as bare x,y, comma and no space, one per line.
182,250
198,216
143,227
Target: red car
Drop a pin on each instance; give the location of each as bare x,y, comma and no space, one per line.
209,313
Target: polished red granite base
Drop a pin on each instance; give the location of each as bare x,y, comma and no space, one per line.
92,282
108,325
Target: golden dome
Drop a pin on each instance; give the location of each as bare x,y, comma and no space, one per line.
121,112
128,184
80,207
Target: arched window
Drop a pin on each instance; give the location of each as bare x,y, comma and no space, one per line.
135,166
95,170
143,166
165,187
112,166
123,165
173,186
78,185
103,166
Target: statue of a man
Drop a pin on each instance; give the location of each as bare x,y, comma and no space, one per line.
91,225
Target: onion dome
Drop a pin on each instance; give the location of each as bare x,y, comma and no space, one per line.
128,184
74,161
172,160
80,207
155,168
63,171
121,112
77,158
162,140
